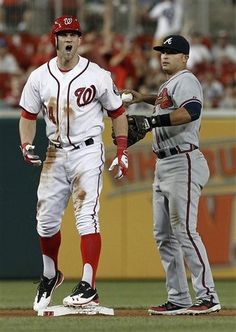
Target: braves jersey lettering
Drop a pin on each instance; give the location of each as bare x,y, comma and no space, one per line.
163,99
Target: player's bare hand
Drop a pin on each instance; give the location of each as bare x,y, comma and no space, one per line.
29,156
130,97
120,165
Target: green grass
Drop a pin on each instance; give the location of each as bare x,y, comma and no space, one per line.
115,294
120,324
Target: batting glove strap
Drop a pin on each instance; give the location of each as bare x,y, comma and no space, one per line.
29,156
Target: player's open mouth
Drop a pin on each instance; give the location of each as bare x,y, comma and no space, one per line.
68,48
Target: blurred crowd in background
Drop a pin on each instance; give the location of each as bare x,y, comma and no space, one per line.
129,56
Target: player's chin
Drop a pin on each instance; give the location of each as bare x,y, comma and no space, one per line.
165,65
166,69
68,55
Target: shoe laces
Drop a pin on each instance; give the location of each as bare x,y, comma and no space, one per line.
79,287
200,302
164,305
44,284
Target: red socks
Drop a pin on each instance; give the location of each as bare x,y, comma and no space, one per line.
50,246
90,246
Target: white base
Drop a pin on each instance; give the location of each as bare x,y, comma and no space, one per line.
60,310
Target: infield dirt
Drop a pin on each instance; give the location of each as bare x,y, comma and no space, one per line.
118,313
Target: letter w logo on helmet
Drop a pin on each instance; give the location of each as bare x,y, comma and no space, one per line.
68,20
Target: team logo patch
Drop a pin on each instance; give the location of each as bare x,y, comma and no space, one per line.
168,41
67,20
163,99
85,95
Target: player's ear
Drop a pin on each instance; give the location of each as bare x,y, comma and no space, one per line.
186,57
56,41
80,40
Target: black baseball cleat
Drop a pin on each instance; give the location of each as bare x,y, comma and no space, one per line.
167,308
82,294
203,307
45,290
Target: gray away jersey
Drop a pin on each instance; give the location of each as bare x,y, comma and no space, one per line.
179,90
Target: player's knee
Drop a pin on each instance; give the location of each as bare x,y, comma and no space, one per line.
185,236
47,229
160,237
88,225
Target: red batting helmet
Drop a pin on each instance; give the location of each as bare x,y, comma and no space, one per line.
66,23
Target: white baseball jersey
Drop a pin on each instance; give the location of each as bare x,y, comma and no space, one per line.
73,106
72,102
179,90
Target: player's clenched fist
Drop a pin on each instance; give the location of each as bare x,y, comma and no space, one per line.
29,156
120,163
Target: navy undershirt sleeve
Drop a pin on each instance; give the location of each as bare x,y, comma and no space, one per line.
194,109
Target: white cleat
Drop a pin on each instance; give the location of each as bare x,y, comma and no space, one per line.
45,290
82,295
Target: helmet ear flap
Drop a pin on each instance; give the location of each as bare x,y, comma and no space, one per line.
54,40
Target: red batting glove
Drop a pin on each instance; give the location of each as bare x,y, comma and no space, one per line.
29,156
121,160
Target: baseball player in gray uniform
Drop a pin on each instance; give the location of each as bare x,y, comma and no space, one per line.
180,175
72,93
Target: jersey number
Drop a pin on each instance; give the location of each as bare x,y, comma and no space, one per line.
85,95
51,115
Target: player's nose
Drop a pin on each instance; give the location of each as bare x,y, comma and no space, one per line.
68,36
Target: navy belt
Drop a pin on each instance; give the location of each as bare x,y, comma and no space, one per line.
161,154
88,141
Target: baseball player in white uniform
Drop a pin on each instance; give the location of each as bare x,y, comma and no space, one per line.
180,175
73,95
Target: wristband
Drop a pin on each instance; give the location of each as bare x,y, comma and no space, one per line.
121,145
161,120
28,115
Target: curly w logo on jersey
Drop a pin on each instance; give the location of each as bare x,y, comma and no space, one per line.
85,95
163,99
